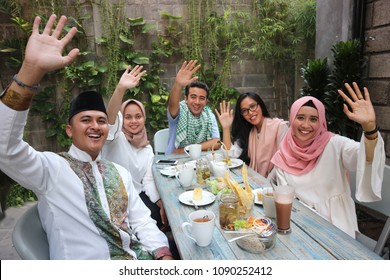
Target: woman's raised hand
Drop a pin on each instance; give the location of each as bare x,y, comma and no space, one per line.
362,110
226,116
131,77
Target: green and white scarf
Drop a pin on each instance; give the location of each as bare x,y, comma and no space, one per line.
191,129
117,198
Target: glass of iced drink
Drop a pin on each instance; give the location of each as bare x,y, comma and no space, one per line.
283,195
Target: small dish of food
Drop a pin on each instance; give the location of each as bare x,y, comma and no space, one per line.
260,234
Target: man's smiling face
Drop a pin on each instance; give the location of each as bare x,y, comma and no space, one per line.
89,131
196,100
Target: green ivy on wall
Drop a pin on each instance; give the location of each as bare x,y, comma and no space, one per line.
266,30
270,30
273,30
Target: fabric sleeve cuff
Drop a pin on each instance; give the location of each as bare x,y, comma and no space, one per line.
115,129
161,252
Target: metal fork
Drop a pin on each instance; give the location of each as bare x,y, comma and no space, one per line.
193,203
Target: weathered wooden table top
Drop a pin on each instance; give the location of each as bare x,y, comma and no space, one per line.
312,236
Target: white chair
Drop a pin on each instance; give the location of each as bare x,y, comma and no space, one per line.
382,206
29,238
160,141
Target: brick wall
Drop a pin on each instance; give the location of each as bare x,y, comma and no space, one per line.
376,49
377,53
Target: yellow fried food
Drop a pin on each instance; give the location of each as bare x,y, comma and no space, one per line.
228,161
241,194
244,172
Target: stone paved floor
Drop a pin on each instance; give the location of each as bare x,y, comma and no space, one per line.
7,251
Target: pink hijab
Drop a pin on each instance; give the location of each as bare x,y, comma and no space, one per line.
140,139
299,158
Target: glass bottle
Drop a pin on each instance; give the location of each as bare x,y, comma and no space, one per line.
202,170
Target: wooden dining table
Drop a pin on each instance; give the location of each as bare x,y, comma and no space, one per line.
312,237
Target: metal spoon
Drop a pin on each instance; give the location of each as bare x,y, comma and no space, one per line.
242,236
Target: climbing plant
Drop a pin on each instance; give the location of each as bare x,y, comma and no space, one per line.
271,30
215,36
83,73
18,195
279,27
90,72
265,29
215,41
114,33
151,91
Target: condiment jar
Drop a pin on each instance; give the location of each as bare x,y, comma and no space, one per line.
228,210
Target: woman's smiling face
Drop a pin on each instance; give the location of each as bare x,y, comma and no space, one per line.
254,117
305,124
133,119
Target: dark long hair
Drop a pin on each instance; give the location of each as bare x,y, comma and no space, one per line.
241,128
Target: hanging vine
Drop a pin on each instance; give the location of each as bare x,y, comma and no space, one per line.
216,34
195,27
215,41
113,24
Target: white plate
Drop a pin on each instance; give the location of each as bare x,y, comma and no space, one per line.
235,162
169,171
257,201
207,198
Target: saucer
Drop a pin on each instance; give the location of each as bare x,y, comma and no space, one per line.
169,171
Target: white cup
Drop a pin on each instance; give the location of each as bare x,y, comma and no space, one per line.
269,203
219,168
198,229
185,175
194,150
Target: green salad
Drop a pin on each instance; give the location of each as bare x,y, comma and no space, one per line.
217,187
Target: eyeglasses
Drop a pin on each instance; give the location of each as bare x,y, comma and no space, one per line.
251,108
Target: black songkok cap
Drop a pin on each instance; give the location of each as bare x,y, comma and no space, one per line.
85,101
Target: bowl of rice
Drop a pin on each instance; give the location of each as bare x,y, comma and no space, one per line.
263,238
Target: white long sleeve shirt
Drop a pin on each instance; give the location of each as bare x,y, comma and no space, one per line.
136,160
61,201
326,187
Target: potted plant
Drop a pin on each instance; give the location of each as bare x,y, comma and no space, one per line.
323,83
